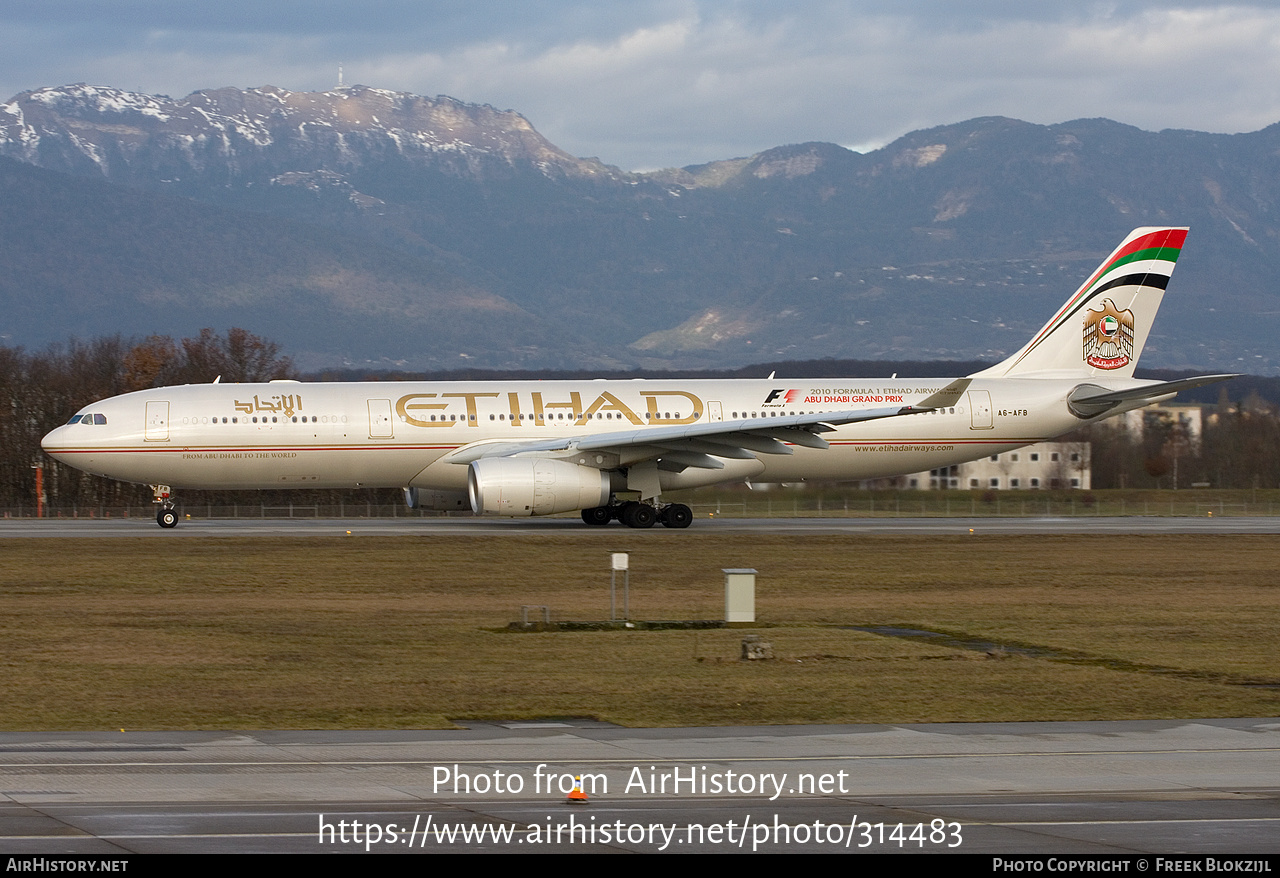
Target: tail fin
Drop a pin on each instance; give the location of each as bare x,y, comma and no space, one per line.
1102,328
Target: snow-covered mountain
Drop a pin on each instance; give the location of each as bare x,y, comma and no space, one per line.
232,136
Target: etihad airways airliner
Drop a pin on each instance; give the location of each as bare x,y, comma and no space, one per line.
611,448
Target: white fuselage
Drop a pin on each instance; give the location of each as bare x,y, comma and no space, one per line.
402,434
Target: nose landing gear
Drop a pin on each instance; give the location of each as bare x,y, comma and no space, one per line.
166,516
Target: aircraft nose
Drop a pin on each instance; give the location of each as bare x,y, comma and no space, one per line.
55,440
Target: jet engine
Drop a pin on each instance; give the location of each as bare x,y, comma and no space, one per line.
516,486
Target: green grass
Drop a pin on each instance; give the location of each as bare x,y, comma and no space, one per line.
405,632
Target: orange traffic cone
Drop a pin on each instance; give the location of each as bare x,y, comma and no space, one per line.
577,796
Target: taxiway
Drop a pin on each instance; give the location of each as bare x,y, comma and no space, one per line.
1157,787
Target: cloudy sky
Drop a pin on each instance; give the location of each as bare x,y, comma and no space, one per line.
656,83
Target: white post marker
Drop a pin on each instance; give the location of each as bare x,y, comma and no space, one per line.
618,561
739,594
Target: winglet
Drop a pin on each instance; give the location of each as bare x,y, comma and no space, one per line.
947,396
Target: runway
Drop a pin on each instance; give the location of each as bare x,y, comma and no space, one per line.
470,526
1103,788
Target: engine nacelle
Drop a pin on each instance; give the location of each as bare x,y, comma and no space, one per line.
519,486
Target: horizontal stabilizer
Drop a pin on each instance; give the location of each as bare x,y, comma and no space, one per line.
1089,400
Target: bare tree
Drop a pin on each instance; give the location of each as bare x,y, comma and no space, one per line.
241,356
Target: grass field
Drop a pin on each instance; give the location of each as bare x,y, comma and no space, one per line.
408,632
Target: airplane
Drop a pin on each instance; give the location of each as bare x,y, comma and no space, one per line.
611,448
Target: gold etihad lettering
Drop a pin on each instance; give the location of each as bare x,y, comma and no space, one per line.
472,417
407,407
432,410
574,405
654,418
608,402
404,407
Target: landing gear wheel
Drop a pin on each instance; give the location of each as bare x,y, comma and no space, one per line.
638,515
600,515
677,515
166,517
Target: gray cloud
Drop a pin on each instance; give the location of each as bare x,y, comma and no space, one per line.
668,82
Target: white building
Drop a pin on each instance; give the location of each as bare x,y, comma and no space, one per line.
1187,422
1044,465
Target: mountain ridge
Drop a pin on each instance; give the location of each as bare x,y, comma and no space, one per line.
955,241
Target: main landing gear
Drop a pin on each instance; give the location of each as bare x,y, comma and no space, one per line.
635,514
166,516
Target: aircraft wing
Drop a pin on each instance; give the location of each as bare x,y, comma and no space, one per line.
699,444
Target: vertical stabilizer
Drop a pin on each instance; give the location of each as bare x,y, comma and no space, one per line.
1101,330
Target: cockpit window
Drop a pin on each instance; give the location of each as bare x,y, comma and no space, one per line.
75,419
99,419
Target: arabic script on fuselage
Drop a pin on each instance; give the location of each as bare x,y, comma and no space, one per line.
285,404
